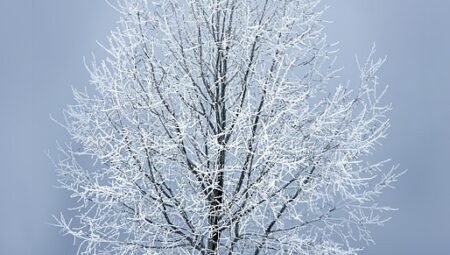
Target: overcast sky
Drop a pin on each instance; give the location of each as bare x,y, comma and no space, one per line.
42,45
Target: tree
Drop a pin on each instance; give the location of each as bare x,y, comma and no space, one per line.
217,127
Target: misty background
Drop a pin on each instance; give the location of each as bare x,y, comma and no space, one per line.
42,44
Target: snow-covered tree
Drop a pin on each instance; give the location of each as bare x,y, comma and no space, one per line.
219,127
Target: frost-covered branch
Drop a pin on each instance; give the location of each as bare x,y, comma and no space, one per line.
217,127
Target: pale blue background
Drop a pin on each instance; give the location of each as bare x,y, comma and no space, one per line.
42,44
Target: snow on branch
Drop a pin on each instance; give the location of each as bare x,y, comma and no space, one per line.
217,127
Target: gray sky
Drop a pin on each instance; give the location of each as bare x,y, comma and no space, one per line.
42,45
